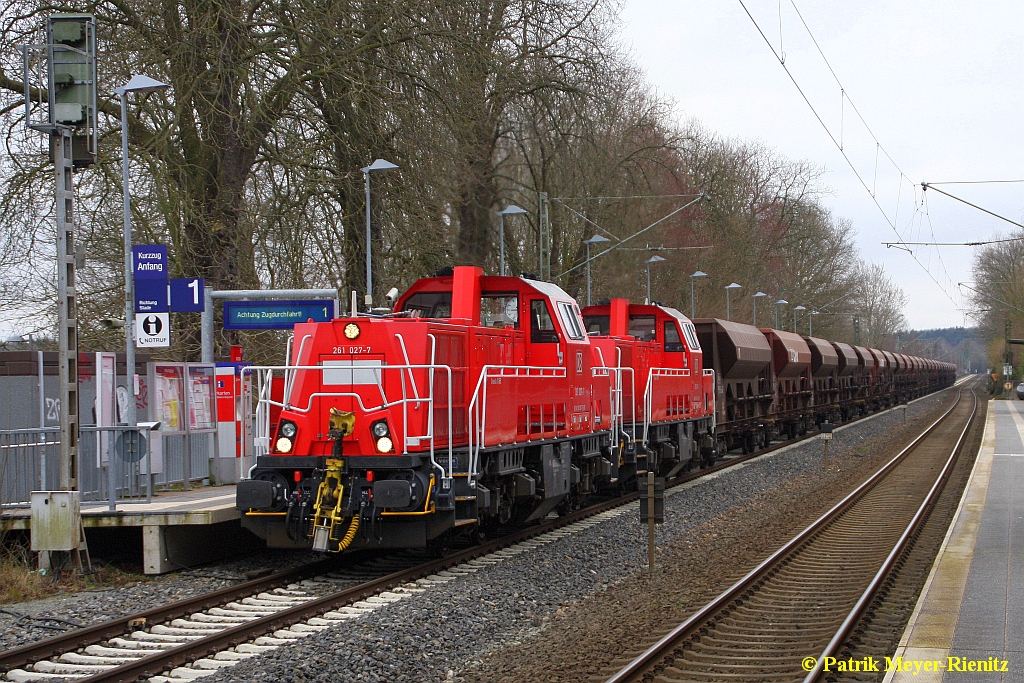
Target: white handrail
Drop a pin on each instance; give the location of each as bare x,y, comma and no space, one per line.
652,373
289,379
632,396
476,412
264,375
405,355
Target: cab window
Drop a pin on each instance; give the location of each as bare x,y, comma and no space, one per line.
597,325
673,344
570,320
542,327
642,327
499,310
691,336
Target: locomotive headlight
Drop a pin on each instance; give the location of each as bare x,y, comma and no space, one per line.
380,429
284,445
384,444
288,429
351,331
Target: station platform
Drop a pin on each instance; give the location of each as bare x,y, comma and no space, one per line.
178,529
969,619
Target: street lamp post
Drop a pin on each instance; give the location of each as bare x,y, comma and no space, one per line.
598,239
810,323
378,165
693,304
139,84
797,308
728,308
780,302
756,297
653,259
510,210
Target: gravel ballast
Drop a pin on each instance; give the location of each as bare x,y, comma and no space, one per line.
518,619
86,608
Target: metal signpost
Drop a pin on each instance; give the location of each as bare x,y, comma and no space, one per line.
825,434
652,511
284,308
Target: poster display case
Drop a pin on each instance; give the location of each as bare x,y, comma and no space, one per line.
184,402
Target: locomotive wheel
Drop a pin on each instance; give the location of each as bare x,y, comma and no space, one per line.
442,545
478,534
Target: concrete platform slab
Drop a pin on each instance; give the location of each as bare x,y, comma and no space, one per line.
179,528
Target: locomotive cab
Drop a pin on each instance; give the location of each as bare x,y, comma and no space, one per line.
673,394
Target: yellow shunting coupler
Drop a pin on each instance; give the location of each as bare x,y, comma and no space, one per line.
327,509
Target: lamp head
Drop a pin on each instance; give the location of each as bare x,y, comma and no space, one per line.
139,83
734,286
699,274
379,165
759,295
799,308
781,302
597,239
512,210
655,259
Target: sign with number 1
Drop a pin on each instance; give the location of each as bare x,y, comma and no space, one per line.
187,295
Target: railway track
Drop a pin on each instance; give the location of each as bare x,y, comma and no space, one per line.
219,629
781,621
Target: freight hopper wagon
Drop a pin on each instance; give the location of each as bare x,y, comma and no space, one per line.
741,359
772,384
478,401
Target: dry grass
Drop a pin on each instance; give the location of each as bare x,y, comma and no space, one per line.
21,582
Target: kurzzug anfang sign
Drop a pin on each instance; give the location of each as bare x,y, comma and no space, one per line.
149,262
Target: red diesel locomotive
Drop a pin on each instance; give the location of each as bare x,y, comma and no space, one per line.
479,401
482,400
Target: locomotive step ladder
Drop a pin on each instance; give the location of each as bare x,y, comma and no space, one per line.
465,499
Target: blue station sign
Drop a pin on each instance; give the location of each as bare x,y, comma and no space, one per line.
275,315
187,295
149,262
150,296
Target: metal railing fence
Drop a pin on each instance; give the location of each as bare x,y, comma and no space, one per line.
110,466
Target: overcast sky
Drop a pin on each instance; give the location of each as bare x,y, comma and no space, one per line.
939,83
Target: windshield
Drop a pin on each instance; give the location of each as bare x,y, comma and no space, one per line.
597,325
429,305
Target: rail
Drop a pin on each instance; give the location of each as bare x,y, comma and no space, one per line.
477,410
264,376
748,585
876,582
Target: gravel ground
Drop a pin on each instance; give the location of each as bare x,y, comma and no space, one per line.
89,607
549,615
